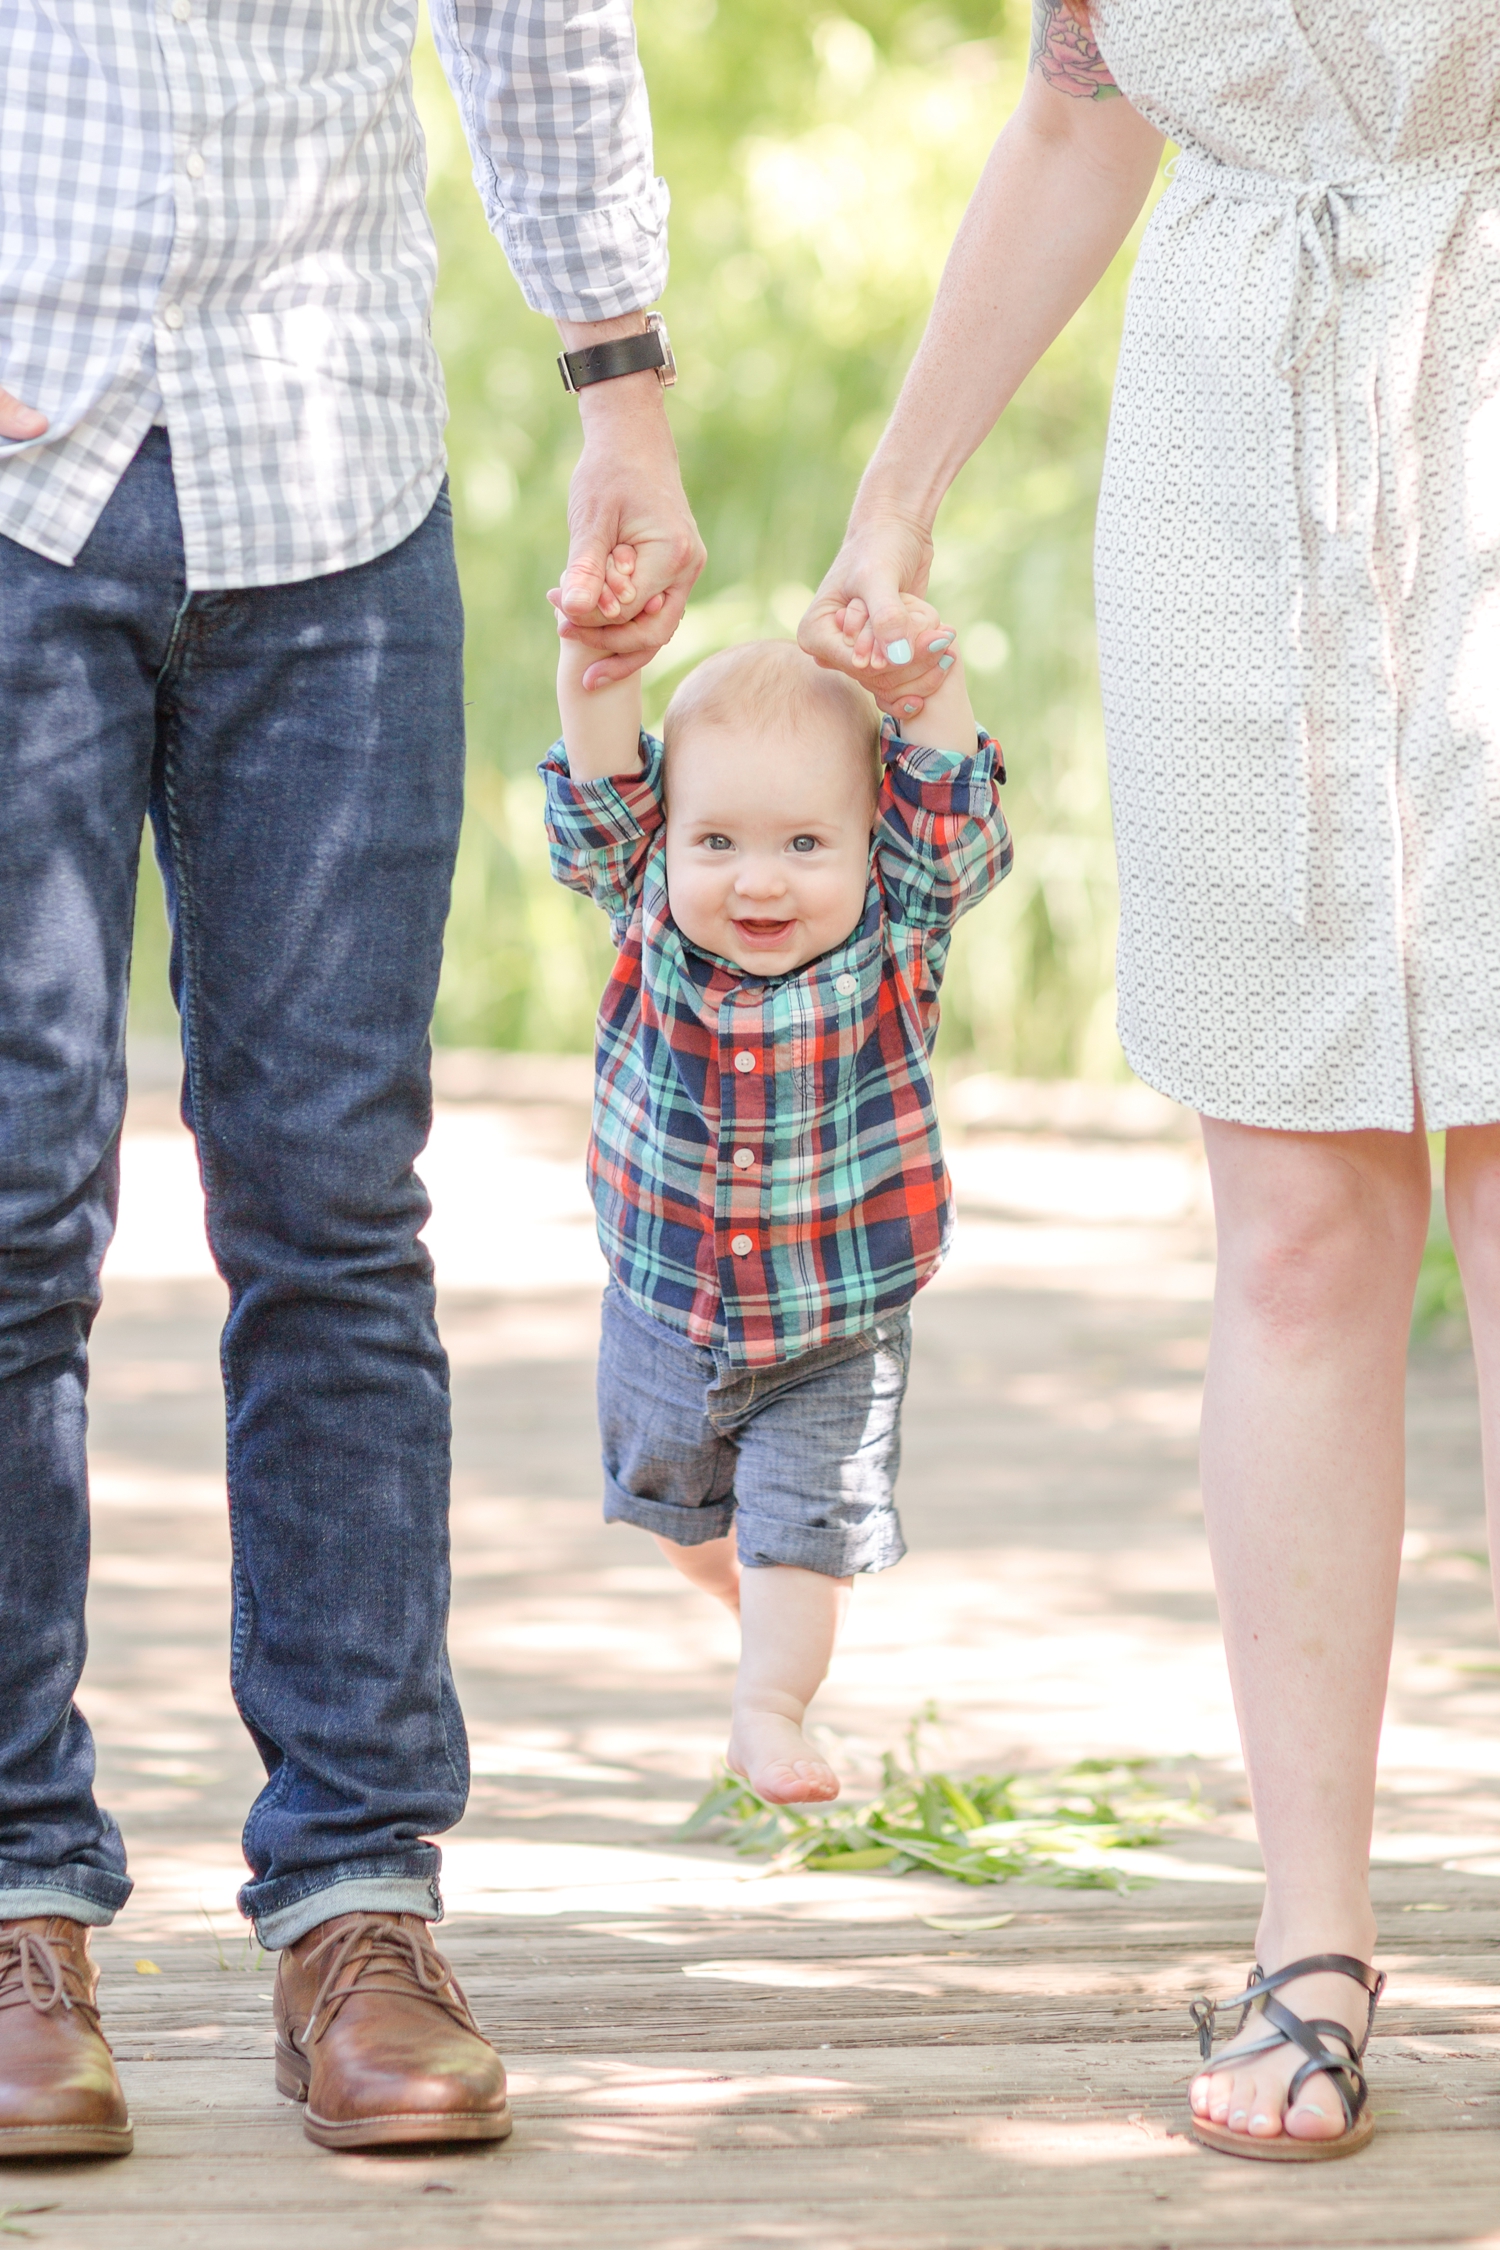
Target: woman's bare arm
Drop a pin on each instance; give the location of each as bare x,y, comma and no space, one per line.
1057,198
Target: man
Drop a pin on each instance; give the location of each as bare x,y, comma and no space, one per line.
229,605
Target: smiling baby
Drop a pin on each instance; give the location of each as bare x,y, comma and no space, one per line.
782,880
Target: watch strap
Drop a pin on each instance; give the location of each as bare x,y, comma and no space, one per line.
622,355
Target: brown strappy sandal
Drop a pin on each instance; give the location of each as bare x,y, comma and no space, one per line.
1290,2031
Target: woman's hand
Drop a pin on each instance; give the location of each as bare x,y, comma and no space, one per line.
868,618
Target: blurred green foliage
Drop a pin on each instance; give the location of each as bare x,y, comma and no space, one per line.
819,164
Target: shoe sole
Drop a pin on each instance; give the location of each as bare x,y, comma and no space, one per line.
1281,2148
398,2128
66,2140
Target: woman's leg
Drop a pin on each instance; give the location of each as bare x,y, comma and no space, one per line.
1471,1188
1320,1239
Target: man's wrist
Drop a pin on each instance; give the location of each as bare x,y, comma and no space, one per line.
623,398
578,335
631,355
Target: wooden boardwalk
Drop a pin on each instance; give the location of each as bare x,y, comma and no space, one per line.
703,2056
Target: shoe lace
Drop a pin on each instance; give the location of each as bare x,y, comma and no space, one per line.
376,1954
35,1974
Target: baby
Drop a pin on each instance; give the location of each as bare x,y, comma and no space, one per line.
782,882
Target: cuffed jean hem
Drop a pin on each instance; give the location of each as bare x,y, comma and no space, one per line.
80,1894
766,1541
685,1527
390,1894
21,1905
288,1906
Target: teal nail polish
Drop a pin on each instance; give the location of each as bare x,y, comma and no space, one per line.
945,663
912,707
898,652
936,648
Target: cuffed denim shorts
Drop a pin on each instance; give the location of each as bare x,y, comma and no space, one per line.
800,1459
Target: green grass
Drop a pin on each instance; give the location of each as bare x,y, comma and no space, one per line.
1069,1828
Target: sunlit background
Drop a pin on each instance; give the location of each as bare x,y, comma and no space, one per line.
818,164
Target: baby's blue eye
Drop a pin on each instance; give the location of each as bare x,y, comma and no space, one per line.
718,843
804,843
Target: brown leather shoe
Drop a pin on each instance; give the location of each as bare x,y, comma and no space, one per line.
373,2033
59,2095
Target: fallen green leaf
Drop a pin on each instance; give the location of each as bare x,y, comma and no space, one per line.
960,1925
1067,1828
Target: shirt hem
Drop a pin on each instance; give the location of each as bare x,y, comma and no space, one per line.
380,539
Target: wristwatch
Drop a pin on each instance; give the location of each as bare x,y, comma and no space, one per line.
623,355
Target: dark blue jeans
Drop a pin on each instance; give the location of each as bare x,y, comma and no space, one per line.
299,753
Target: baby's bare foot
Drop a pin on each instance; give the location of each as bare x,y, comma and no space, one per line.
778,1761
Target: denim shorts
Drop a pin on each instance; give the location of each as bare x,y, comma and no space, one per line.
800,1459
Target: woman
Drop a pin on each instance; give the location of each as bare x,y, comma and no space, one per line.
1299,612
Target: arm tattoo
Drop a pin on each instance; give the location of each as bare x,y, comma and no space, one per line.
1063,50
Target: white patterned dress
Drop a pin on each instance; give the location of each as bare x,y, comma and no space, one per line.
1298,563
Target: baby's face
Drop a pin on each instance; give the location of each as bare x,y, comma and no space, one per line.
768,841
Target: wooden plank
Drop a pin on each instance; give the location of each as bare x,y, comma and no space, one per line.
1001,2147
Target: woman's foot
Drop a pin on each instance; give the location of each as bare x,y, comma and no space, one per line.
774,1755
1252,2099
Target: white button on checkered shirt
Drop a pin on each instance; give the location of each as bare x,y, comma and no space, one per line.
213,212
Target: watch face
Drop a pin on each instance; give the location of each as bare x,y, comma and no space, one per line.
668,369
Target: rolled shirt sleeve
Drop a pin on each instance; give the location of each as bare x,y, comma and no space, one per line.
554,105
600,833
941,840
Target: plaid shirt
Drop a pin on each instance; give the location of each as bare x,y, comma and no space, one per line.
765,1161
213,214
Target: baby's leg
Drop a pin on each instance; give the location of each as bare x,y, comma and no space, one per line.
818,1453
789,1621
713,1566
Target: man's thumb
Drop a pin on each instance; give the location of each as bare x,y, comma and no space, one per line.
17,421
583,580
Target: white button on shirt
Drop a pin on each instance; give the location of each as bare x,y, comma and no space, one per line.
741,1245
304,398
744,1158
846,985
744,1060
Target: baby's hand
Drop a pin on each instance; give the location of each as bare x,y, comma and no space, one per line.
617,596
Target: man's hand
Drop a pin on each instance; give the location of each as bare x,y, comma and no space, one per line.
18,421
626,492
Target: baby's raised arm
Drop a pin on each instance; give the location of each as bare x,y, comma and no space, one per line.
601,729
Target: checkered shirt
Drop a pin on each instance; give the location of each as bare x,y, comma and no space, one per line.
214,213
822,1078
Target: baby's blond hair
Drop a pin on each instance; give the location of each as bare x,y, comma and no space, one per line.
775,680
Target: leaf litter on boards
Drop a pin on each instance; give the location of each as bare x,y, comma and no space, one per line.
1066,1828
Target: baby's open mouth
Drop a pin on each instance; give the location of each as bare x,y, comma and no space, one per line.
760,932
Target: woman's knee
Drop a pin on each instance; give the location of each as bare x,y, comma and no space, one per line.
1319,1230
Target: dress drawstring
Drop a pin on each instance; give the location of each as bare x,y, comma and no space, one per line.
1331,233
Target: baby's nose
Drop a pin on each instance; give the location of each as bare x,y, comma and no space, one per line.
765,880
